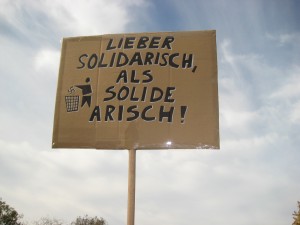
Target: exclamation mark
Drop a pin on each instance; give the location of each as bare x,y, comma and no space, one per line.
183,111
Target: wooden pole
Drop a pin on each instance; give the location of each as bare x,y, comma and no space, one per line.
131,187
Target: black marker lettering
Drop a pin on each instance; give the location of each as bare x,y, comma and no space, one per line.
113,94
131,109
167,42
108,114
95,113
169,94
154,43
129,41
166,114
142,42
144,114
80,60
92,61
147,73
109,46
122,75
123,93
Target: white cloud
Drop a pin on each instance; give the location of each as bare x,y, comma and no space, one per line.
253,93
290,87
88,18
287,96
70,18
295,114
66,183
284,39
237,105
47,60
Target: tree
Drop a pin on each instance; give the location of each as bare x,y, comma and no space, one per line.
8,215
297,216
86,220
48,221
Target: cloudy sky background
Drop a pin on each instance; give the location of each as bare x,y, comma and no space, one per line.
252,180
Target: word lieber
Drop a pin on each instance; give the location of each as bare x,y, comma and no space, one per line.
141,42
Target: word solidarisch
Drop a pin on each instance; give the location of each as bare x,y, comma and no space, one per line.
137,58
133,94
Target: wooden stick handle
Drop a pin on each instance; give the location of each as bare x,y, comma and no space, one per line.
131,187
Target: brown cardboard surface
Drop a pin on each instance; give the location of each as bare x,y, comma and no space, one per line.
97,72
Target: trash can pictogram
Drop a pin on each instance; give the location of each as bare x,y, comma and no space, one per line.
72,103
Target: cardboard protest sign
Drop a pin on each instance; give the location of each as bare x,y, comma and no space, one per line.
141,91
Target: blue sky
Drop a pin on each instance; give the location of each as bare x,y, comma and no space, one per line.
252,180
